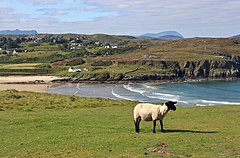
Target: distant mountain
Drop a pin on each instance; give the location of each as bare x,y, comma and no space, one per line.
18,32
163,35
236,36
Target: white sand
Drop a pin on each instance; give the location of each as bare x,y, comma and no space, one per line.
12,79
25,87
26,79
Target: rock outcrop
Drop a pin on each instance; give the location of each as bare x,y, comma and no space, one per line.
211,69
170,71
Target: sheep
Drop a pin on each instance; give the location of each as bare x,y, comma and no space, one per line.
151,112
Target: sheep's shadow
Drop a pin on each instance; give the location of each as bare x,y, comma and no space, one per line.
188,131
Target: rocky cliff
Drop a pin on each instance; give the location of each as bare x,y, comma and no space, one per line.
210,69
192,70
173,71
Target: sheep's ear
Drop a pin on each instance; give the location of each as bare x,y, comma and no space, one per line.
171,103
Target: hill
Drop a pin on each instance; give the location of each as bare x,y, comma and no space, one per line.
133,59
235,37
163,35
18,32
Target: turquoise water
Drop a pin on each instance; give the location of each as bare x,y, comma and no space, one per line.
186,93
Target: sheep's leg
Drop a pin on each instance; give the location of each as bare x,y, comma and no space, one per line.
161,123
154,126
136,128
137,122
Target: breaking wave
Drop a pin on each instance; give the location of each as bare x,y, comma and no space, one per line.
133,89
121,97
211,102
149,87
163,96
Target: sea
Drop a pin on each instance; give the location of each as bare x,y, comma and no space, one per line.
193,93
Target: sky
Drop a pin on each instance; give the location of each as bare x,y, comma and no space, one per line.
191,18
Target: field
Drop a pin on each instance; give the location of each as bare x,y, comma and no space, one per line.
47,125
24,69
19,66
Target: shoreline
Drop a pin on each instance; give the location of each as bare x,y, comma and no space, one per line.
197,93
27,83
43,83
74,80
57,79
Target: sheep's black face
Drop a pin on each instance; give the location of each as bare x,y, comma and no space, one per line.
170,105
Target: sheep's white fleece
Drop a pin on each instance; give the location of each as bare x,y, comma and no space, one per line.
150,112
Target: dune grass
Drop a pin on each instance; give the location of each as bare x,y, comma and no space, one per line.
47,125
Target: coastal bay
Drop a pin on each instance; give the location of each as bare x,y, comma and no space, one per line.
198,93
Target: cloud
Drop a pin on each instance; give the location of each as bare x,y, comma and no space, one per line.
53,11
191,18
87,8
42,2
181,15
8,16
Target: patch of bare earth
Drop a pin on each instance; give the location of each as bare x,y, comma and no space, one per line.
160,149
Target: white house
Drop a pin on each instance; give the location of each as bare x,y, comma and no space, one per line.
111,45
97,43
15,52
84,69
72,69
107,46
114,45
18,51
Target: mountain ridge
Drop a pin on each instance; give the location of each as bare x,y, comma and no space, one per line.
18,32
163,35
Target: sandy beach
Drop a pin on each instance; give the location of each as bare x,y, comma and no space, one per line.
25,87
15,82
17,79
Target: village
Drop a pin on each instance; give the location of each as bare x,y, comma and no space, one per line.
12,45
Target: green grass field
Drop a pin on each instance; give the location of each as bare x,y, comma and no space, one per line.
47,125
19,66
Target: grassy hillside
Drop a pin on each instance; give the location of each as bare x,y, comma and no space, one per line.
47,125
187,50
199,57
168,58
162,58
